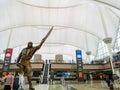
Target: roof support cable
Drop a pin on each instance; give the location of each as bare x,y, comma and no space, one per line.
106,3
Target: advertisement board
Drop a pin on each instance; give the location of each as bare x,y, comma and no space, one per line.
79,65
7,60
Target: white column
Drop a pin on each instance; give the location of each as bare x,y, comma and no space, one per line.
108,41
88,55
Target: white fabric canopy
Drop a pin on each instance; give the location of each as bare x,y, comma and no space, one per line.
78,24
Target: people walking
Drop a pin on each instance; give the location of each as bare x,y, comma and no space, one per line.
9,79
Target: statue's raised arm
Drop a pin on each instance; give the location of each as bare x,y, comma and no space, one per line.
44,39
26,54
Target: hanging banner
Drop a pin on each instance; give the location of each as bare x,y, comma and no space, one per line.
7,60
79,65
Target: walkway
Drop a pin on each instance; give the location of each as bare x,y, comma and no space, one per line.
89,85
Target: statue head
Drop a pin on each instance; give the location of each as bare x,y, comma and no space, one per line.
30,45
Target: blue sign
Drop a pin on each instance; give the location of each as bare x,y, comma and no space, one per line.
78,54
79,65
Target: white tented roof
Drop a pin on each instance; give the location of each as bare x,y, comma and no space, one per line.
78,24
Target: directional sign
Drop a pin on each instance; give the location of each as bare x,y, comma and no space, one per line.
79,65
7,60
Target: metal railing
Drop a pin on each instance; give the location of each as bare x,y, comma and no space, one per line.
48,73
43,72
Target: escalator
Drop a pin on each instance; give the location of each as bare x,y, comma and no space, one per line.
45,74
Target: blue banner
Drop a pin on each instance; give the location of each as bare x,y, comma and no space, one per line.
78,54
79,65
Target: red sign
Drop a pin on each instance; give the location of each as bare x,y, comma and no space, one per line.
8,53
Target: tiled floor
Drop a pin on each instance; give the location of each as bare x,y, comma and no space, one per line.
94,85
89,85
56,87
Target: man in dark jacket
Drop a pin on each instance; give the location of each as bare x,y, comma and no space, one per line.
16,82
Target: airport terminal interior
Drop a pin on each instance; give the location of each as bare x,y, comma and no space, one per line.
59,44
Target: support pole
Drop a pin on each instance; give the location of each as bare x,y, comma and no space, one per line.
88,55
108,41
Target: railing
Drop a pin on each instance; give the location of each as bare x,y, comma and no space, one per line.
48,73
62,61
43,72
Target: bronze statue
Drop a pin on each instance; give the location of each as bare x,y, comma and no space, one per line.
26,54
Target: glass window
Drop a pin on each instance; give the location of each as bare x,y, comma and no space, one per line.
102,50
117,43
